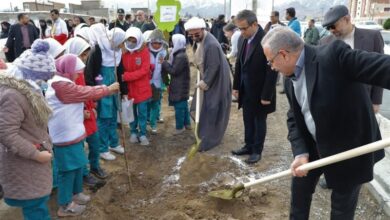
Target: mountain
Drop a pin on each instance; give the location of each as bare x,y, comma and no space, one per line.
309,8
304,8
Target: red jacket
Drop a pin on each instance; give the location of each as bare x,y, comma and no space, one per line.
89,124
137,74
62,38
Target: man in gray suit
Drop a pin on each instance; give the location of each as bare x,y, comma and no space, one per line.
338,21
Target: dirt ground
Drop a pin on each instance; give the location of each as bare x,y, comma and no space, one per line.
166,186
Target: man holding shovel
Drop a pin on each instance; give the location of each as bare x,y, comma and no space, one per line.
214,84
330,112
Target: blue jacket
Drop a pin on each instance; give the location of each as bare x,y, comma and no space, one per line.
295,26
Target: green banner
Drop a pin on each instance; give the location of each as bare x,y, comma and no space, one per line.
167,14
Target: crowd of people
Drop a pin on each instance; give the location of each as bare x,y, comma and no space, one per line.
66,84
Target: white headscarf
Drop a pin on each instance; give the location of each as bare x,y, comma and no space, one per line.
146,35
137,34
179,42
76,46
55,48
108,43
82,30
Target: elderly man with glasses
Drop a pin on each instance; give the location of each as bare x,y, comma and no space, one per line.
254,85
330,112
215,84
338,21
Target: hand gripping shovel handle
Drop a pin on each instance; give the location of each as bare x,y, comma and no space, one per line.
365,149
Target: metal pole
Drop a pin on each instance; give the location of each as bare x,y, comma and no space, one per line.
272,5
254,6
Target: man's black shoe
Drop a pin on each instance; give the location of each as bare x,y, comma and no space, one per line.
241,151
99,173
253,158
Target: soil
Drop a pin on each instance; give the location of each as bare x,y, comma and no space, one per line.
166,186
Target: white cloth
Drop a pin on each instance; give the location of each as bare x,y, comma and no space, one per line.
83,31
179,42
234,41
55,47
108,43
137,34
60,27
194,23
60,130
146,35
76,46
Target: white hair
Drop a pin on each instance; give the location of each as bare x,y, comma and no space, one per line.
282,38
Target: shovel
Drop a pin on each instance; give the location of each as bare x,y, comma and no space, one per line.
195,147
365,149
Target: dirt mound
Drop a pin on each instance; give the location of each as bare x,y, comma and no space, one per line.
203,168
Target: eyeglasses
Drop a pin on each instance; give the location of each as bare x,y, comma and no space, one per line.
196,35
244,28
271,61
331,27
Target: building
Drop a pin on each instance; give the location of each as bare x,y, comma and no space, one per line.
36,6
378,10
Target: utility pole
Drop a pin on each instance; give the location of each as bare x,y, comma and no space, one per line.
254,6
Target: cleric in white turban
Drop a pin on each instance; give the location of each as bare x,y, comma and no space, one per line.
214,84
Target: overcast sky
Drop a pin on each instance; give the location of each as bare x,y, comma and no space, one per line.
127,4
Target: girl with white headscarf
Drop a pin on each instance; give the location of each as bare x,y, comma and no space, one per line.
81,48
137,73
178,68
110,43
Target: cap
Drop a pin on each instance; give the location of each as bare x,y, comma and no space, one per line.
334,14
120,11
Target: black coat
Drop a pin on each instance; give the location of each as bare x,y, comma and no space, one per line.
124,27
15,38
217,31
341,109
253,78
370,41
179,89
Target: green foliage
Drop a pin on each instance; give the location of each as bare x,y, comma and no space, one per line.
386,25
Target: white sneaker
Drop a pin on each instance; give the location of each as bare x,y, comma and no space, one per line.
160,120
178,131
154,131
133,139
144,141
118,149
107,156
81,199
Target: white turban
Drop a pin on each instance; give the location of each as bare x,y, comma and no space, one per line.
194,23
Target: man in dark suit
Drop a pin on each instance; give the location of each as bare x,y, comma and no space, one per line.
338,21
21,36
330,112
120,21
254,85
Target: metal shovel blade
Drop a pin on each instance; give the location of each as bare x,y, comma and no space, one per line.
193,150
228,194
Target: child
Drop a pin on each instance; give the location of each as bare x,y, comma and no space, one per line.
81,48
179,69
25,146
136,63
109,44
156,46
66,99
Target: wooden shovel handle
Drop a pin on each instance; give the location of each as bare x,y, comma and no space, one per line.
365,149
197,109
